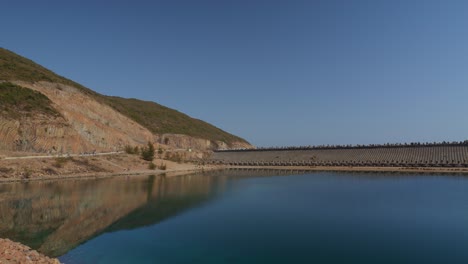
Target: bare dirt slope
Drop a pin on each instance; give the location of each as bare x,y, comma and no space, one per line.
84,125
95,126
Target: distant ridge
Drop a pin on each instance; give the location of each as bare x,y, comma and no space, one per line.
156,118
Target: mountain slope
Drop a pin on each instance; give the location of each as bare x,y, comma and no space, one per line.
30,121
92,120
163,120
14,67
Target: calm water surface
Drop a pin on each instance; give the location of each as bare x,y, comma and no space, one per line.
243,217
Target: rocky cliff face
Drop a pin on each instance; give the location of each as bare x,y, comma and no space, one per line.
182,142
85,125
96,125
30,122
40,134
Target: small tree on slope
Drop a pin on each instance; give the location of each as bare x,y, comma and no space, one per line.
147,153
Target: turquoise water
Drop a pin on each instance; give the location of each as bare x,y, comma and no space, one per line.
246,218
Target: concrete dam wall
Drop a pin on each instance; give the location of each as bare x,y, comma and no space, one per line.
402,156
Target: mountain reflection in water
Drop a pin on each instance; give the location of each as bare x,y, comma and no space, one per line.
55,217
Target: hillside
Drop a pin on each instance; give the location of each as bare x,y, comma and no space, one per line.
163,120
18,101
93,119
14,67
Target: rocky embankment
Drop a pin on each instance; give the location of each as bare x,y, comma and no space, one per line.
12,252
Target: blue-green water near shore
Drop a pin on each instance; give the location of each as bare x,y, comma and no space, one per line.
243,217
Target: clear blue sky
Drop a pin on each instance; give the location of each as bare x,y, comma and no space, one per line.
274,72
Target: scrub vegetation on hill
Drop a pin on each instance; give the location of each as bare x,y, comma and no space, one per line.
160,120
16,101
14,67
157,118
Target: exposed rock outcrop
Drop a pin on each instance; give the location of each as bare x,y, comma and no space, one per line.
84,125
100,126
41,134
184,141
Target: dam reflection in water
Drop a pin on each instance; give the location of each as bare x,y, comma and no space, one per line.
56,216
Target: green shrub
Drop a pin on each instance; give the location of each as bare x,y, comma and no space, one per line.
147,153
131,150
152,166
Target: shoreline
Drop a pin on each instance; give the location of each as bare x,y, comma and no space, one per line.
178,172
168,173
92,167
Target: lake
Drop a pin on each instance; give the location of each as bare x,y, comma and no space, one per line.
243,217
